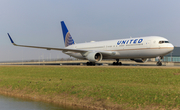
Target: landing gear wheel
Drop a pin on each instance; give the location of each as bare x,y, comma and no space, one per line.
114,63
120,63
90,64
117,63
159,63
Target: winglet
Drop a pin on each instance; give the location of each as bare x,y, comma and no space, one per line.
11,39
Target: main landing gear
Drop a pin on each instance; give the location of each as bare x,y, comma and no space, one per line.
117,62
90,64
159,63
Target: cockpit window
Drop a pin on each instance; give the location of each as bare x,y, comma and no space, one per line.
161,42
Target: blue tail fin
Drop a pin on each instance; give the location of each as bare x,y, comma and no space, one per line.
68,40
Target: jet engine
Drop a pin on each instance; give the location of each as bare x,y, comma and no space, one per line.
94,57
140,60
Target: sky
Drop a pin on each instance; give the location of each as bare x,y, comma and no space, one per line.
37,22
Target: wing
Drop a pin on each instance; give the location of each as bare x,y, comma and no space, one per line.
104,53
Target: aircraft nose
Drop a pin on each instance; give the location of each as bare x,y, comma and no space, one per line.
171,46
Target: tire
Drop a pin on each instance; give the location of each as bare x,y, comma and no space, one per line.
120,63
159,63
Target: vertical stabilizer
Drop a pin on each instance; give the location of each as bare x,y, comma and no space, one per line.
68,40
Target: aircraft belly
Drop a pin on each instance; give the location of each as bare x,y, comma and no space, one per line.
144,53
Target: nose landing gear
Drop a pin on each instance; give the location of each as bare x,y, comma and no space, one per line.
159,63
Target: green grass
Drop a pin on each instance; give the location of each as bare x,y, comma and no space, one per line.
130,86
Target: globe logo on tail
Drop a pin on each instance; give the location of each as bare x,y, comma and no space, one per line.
68,40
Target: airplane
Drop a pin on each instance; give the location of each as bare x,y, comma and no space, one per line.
137,49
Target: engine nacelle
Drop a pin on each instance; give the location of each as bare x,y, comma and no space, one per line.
94,57
140,60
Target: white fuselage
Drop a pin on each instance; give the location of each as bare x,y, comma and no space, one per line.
142,47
